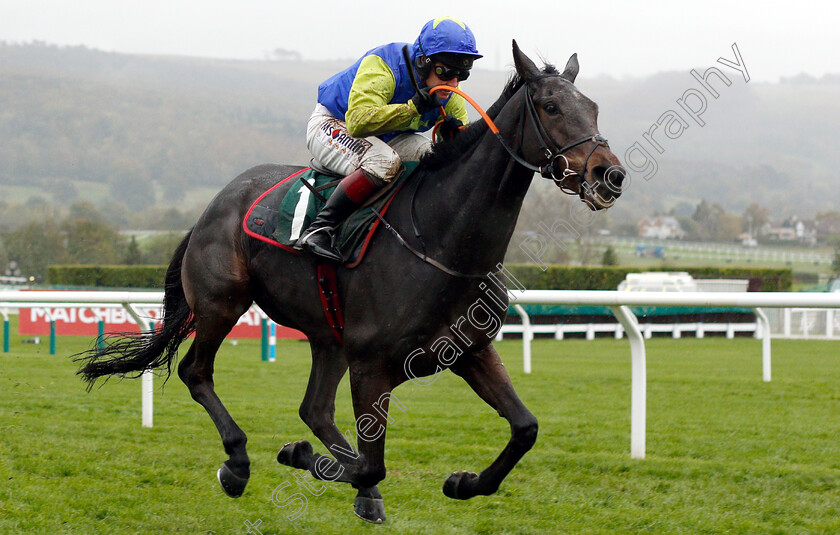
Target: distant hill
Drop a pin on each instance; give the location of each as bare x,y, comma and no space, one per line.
149,130
773,144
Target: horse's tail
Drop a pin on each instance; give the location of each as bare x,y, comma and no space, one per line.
129,354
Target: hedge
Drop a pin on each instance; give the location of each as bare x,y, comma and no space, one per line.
558,277
107,276
531,276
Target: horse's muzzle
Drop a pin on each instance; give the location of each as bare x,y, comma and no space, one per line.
608,183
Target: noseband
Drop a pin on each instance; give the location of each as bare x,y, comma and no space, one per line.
558,167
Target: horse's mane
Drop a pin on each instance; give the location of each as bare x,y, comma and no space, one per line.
449,150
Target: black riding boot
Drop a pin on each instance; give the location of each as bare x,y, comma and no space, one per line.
350,194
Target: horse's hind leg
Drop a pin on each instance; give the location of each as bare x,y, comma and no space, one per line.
196,371
318,412
485,373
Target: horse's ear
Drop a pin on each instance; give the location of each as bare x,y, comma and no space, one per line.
572,69
524,66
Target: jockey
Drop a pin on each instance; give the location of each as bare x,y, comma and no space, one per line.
367,119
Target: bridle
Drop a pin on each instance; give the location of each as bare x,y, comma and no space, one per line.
554,154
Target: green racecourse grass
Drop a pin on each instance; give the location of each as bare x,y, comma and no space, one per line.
726,453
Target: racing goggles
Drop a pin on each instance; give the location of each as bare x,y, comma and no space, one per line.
446,73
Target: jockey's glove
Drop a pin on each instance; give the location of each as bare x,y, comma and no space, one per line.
449,127
424,101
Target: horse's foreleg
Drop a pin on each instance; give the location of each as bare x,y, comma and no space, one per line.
196,371
486,374
371,389
318,412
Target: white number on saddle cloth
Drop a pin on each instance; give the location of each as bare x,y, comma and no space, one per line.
300,210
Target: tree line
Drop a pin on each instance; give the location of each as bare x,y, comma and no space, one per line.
146,131
82,236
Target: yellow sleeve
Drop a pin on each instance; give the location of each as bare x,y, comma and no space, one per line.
368,111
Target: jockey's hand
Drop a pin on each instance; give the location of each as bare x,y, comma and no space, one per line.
449,127
424,101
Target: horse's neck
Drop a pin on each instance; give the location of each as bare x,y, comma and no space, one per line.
473,206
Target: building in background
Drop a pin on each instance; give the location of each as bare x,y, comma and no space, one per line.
661,228
792,229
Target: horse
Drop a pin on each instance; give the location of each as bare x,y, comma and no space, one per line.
429,300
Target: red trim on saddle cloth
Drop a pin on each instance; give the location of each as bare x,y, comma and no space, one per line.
328,290
253,234
373,228
275,243
358,186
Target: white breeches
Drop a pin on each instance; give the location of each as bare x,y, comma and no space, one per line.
333,147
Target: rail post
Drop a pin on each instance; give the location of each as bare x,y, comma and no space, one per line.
100,339
264,347
147,387
6,334
764,325
52,336
272,342
638,381
527,336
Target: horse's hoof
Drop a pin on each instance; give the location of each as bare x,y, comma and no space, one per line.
461,485
296,455
370,509
232,484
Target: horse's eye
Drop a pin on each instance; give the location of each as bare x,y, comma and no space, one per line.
551,109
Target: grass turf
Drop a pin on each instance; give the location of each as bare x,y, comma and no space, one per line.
726,453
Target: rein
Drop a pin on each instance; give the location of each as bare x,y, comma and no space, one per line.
428,259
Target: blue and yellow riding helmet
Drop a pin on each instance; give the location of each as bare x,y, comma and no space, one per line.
447,40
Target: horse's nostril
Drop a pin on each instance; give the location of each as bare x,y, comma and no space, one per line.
610,176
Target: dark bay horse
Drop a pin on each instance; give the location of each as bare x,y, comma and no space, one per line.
405,318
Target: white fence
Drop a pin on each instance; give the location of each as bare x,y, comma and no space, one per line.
136,304
131,301
806,323
704,250
590,330
790,323
618,302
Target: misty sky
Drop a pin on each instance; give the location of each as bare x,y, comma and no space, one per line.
613,37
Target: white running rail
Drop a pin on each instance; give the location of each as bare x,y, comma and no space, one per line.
619,303
128,300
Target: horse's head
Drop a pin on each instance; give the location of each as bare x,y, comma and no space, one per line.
563,134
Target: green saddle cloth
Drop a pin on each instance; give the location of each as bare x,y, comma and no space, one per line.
300,206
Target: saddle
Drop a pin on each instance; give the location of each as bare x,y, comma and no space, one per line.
281,215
